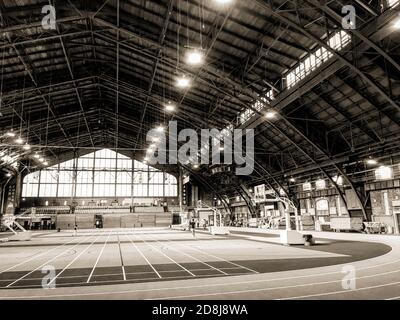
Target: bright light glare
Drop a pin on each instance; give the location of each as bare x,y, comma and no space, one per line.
195,57
270,114
182,82
27,147
19,141
372,162
10,134
223,1
170,107
397,24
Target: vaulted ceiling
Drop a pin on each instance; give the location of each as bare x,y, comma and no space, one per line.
103,77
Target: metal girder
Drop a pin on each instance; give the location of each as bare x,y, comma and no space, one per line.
323,44
36,85
170,52
351,120
209,46
156,99
311,158
367,7
348,180
370,102
338,19
156,62
76,89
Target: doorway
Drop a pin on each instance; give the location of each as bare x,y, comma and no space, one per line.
98,222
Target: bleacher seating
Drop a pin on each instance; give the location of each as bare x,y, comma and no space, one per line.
112,216
148,209
51,210
101,209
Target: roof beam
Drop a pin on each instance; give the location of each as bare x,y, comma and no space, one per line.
50,108
156,62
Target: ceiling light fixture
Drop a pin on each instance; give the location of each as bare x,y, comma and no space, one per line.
170,107
26,147
45,163
183,82
36,156
160,129
223,1
270,114
372,162
19,140
10,134
195,57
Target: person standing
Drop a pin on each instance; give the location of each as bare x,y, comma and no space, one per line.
193,226
75,230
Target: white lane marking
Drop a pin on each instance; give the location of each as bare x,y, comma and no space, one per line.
122,260
222,259
143,256
287,287
98,258
191,287
178,264
199,286
344,291
47,262
37,256
76,258
194,258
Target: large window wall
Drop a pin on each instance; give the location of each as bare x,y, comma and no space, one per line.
102,174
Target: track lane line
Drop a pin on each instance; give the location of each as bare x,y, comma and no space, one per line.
222,259
47,262
36,256
290,287
72,262
121,258
194,258
194,287
143,256
178,264
98,258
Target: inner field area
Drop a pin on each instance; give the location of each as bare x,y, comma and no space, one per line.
128,256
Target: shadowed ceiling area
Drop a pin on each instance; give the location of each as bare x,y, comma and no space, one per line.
107,73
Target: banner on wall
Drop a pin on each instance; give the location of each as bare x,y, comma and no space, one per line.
259,193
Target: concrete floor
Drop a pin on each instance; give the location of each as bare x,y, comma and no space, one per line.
171,264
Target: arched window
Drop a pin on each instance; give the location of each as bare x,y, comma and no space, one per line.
101,174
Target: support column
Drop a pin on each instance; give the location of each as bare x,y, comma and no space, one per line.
1,197
18,191
180,189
